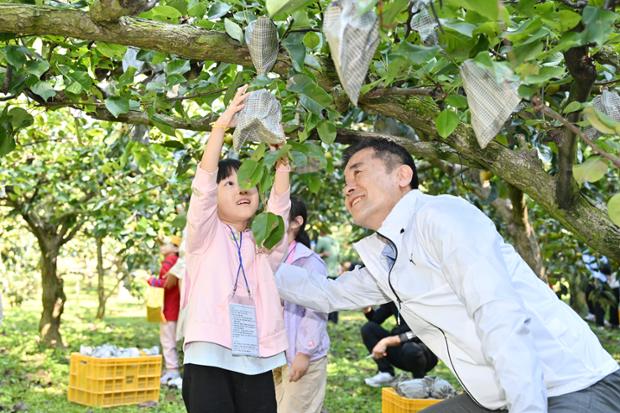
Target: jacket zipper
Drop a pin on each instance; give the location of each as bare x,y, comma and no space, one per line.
441,330
390,278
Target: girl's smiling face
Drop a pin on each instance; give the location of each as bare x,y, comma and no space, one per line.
235,205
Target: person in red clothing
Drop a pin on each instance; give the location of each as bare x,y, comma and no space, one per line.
172,299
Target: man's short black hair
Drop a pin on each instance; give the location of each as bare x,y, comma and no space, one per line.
392,154
226,167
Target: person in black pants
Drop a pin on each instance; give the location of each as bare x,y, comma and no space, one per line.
396,348
604,285
614,288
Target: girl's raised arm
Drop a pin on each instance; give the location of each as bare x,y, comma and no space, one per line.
202,211
213,150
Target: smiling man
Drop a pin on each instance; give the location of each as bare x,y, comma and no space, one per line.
467,294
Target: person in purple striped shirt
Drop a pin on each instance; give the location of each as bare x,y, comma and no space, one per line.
300,384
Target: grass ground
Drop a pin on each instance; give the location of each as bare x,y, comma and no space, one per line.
35,379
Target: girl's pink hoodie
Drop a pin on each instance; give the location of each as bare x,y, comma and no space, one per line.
212,263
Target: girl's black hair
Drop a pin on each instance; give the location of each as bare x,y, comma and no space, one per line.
226,167
298,208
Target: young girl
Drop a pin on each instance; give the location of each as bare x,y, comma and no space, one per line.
234,332
300,385
168,328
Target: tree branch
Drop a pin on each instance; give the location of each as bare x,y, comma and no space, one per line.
607,56
181,40
71,234
109,11
141,118
540,107
422,150
414,91
581,68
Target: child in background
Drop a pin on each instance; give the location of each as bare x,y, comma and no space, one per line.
300,385
234,330
172,297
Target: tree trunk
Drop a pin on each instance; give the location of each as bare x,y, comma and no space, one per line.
523,235
101,296
53,295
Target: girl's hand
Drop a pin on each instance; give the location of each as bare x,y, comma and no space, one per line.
299,367
228,119
283,163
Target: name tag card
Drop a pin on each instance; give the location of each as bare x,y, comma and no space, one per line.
244,333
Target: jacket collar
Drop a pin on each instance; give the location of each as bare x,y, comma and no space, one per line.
394,225
398,219
301,251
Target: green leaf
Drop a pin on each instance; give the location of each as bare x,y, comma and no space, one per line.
180,5
486,8
546,73
43,89
161,124
196,8
393,9
260,227
613,209
166,13
294,44
277,233
117,105
268,229
525,30
20,118
314,182
112,51
15,55
177,67
283,6
217,10
311,40
600,121
457,101
593,169
464,28
7,142
572,107
416,54
233,30
249,173
327,131
446,123
179,222
37,67
599,25
568,19
313,97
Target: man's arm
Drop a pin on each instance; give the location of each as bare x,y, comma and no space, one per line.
351,290
468,248
314,323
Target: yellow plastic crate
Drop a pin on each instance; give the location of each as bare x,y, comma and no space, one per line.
391,402
105,382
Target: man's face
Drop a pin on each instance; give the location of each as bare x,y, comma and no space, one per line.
235,205
371,191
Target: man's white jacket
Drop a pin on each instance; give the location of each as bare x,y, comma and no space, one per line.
471,299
